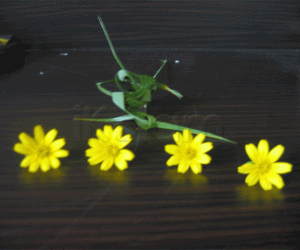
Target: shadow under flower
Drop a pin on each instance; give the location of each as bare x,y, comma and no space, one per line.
256,195
186,179
113,175
41,178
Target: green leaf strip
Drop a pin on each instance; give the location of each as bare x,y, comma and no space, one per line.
115,119
166,125
110,44
150,122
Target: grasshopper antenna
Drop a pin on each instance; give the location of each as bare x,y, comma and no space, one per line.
110,44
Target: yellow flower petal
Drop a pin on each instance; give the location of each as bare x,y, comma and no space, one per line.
174,160
23,149
61,153
204,159
118,132
55,163
99,155
124,141
177,138
45,165
198,139
275,153
183,167
108,131
187,135
27,140
251,152
27,161
95,160
107,164
121,164
263,149
247,168
50,136
101,136
33,167
196,168
282,167
57,144
172,149
93,142
252,178
90,152
205,147
275,179
264,182
125,154
39,134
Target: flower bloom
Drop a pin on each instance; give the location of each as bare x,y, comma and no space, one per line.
41,151
108,148
263,166
188,152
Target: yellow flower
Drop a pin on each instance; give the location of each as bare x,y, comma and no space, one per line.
41,150
4,41
188,152
107,148
263,166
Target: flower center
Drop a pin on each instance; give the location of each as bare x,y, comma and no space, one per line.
113,150
190,153
264,167
43,151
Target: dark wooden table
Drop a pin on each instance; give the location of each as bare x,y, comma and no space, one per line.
245,89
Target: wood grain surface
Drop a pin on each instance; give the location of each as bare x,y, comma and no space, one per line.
150,205
235,62
154,24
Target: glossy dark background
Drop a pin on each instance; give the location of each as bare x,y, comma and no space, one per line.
238,70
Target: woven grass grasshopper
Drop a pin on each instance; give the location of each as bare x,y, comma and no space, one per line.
136,96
